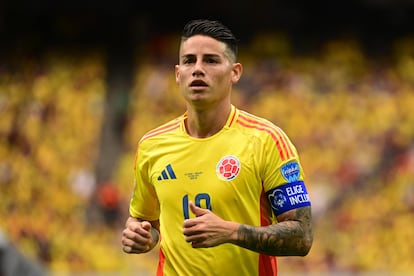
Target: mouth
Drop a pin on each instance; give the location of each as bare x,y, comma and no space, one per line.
198,84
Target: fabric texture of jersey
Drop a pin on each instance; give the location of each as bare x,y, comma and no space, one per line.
228,173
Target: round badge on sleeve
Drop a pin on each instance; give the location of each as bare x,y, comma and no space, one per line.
228,168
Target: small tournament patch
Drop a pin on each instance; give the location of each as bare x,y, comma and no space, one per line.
291,171
288,197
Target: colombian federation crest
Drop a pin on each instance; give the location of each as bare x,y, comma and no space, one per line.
228,168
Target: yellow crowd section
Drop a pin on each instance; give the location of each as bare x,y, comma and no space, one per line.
349,113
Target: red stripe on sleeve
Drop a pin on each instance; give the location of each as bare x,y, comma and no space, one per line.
283,146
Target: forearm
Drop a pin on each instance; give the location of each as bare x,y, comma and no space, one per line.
286,238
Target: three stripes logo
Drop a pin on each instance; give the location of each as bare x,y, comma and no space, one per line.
167,173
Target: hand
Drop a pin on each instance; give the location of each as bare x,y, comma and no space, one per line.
207,229
137,236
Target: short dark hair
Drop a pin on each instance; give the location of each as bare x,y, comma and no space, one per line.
211,28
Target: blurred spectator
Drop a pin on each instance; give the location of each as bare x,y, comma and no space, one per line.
83,183
13,263
109,202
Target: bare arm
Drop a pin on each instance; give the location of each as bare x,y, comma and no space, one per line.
291,236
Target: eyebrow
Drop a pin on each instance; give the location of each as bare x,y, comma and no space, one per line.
204,55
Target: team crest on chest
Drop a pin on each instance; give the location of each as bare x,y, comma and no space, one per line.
228,168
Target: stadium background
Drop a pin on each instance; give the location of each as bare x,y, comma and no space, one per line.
81,81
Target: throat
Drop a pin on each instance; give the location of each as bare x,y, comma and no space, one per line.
200,128
203,123
203,130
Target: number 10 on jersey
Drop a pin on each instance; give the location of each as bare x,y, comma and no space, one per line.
201,200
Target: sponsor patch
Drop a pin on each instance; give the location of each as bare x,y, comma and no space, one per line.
288,197
291,171
228,168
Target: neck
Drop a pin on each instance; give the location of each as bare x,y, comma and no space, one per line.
203,123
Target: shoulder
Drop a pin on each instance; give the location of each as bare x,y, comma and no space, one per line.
271,135
258,124
163,130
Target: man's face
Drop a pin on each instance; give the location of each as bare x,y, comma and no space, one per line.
205,72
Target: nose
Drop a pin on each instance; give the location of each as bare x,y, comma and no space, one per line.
198,69
197,73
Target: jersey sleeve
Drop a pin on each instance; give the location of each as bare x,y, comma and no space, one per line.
283,177
144,202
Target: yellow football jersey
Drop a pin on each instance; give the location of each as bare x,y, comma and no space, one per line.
248,172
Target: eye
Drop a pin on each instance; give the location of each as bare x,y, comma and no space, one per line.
211,60
188,60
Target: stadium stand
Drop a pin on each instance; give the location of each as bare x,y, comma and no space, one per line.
349,114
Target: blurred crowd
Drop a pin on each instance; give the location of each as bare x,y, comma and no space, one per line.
348,112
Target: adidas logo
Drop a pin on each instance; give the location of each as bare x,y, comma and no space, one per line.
167,173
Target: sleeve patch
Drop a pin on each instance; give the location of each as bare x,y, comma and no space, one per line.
291,171
288,197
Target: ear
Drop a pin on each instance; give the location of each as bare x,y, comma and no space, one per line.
177,73
237,72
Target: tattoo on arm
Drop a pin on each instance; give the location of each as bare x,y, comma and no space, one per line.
291,237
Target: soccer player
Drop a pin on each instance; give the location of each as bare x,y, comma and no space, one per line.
221,189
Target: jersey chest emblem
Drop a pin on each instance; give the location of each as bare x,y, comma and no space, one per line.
228,168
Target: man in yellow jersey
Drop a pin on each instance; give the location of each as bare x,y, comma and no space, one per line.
222,190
